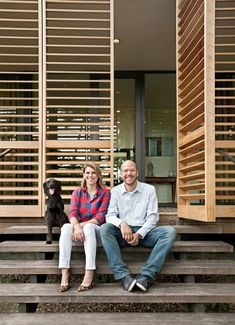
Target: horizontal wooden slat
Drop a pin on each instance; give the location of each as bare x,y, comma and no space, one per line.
196,176
80,144
91,124
225,188
227,180
99,2
72,162
194,102
193,167
78,89
197,89
194,123
195,146
192,196
192,158
77,154
18,189
192,138
19,197
19,180
77,10
225,210
20,172
192,113
196,186
221,172
225,197
223,163
18,163
78,19
225,144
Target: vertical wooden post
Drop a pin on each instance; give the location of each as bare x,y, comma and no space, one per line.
209,80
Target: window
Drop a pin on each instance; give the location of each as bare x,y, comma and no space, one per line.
159,146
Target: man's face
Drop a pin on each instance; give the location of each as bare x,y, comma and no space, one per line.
129,173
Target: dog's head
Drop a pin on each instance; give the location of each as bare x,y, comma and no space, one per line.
52,186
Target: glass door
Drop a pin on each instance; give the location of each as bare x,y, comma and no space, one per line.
160,134
124,123
145,128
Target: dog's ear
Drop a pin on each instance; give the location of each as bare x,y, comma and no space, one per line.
45,186
58,185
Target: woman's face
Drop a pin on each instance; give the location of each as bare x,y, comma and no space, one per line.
90,176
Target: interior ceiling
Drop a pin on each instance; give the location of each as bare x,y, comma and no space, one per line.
146,29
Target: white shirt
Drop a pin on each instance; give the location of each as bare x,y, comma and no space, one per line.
138,208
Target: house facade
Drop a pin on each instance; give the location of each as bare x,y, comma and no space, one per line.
79,83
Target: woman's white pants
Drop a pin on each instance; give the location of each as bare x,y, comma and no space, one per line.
92,239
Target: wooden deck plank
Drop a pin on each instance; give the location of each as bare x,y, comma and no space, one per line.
114,293
179,246
42,229
199,267
118,318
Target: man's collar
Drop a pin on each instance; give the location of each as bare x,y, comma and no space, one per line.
137,189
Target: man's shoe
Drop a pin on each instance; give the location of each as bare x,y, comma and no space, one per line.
128,282
143,282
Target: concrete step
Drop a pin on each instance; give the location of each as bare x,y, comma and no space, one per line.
118,318
183,267
198,293
179,246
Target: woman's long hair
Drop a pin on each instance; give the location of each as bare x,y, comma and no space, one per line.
98,174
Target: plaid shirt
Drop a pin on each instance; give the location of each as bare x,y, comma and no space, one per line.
85,209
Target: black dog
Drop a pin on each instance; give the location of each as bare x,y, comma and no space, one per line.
54,215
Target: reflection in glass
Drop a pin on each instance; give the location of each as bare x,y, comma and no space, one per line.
124,123
160,129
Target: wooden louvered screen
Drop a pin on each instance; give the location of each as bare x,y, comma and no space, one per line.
225,107
78,82
56,81
195,96
20,153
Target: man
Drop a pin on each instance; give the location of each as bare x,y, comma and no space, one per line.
131,221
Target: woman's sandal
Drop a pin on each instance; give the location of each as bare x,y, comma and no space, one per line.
66,287
85,288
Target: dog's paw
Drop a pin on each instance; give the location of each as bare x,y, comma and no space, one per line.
48,242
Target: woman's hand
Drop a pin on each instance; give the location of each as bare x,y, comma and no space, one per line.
78,234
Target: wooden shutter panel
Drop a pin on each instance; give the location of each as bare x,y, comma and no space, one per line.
225,107
195,109
20,162
78,90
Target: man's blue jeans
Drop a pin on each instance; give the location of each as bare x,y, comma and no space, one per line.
160,239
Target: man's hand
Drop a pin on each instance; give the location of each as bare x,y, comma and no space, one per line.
78,234
126,231
135,239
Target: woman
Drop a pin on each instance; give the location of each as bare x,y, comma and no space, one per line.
88,207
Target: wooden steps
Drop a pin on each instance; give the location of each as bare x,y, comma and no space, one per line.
118,318
176,267
42,229
189,258
114,293
179,246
